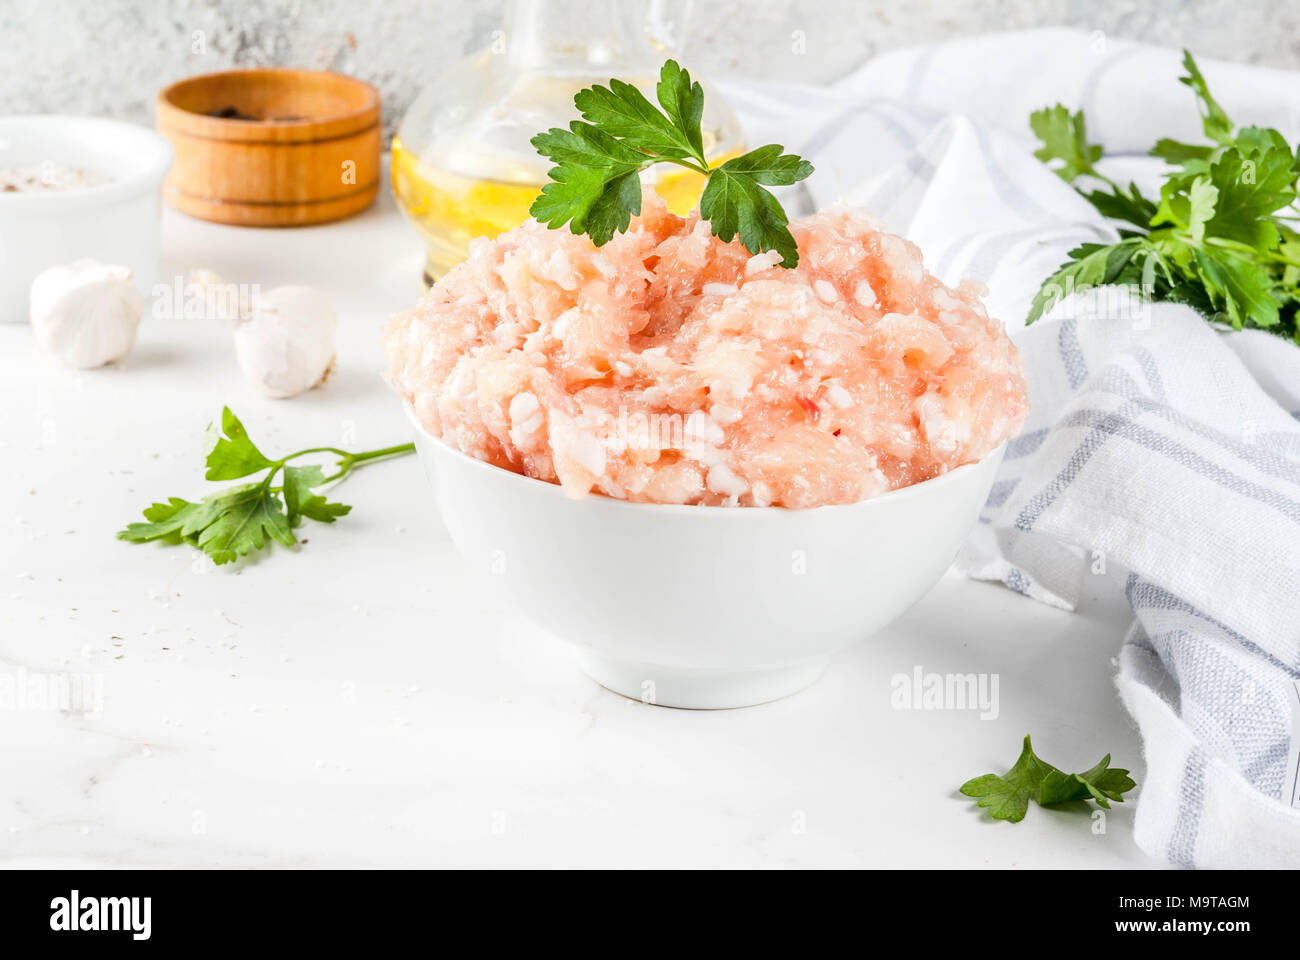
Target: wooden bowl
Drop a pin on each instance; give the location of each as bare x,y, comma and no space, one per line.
271,147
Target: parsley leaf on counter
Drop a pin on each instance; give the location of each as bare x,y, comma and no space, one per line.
1219,238
232,454
1007,796
596,188
240,520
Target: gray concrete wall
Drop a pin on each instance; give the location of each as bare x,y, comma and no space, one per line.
112,56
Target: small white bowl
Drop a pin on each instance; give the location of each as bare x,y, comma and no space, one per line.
703,607
116,222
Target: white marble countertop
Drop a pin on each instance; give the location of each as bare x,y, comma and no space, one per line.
361,702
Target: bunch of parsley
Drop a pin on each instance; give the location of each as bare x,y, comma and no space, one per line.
242,519
1219,238
596,186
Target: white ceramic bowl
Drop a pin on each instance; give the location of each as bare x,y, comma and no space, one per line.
116,222
703,607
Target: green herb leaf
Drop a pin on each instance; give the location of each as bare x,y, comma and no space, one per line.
1187,202
1252,141
1289,250
1129,206
1250,190
300,501
621,110
1065,142
1180,153
1105,782
225,526
1007,796
234,455
1216,123
595,186
1241,288
683,101
734,200
172,521
1091,265
240,520
1202,201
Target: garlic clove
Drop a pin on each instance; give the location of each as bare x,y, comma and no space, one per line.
86,313
285,341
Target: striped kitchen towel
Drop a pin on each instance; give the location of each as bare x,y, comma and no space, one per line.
1160,453
1156,456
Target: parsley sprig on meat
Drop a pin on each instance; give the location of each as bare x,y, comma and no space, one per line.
596,188
1220,237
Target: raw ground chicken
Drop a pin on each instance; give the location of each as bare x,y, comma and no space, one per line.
670,367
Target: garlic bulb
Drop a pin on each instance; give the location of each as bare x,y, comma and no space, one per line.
86,313
284,340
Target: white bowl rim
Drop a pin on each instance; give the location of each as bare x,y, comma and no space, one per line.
923,488
146,179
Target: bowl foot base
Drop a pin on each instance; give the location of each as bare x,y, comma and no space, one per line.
696,689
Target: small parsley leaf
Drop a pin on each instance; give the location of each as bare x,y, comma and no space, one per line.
1216,123
734,200
172,521
1177,153
595,188
621,110
1007,796
1065,142
683,101
234,454
1129,206
1091,265
300,501
1202,201
1250,190
242,521
1238,286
